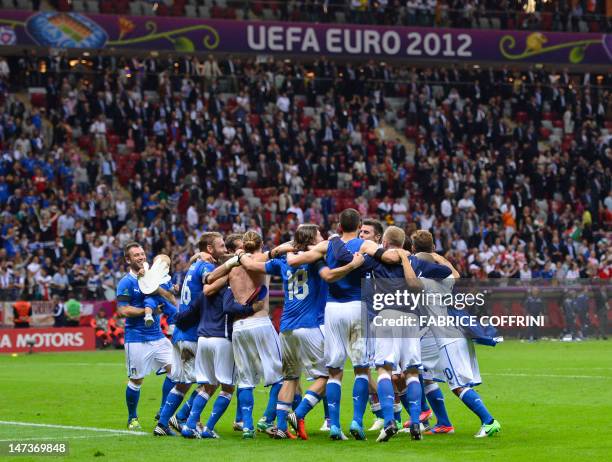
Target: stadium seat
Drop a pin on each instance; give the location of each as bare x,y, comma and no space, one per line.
522,117
191,11
64,5
483,22
136,8
92,6
77,5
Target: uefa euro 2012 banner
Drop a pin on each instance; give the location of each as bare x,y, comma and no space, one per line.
91,31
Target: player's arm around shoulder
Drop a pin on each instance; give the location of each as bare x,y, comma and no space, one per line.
372,249
439,259
310,256
216,286
253,262
412,281
333,275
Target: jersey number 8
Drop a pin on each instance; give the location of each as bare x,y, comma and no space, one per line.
297,284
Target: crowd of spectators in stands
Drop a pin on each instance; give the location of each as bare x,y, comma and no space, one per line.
557,15
509,170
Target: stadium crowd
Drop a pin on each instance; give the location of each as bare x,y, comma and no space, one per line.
510,170
564,15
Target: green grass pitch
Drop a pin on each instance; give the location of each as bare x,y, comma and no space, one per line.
554,402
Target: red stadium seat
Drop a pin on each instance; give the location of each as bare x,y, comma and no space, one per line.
38,99
64,5
522,117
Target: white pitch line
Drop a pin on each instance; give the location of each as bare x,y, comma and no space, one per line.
56,438
72,427
72,364
558,376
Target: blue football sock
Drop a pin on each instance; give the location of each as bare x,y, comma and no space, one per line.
413,393
297,399
474,402
282,409
198,405
360,397
238,412
221,404
325,408
310,400
173,401
385,396
436,400
246,401
132,395
424,406
333,391
404,400
397,412
166,387
270,412
185,409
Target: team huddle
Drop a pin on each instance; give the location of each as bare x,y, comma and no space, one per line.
224,339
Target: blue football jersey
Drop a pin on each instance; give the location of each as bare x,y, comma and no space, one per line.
128,293
305,294
347,289
425,269
213,321
153,301
191,289
387,278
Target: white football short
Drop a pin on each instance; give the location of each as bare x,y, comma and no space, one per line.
142,358
459,364
396,346
183,361
214,362
345,335
257,352
303,351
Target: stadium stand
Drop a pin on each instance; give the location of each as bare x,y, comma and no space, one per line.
509,169
564,15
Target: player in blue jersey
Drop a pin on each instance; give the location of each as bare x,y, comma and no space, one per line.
302,339
457,354
146,348
345,330
372,230
185,341
398,348
214,362
255,342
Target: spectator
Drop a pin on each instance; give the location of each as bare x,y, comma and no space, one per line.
73,311
59,312
22,314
